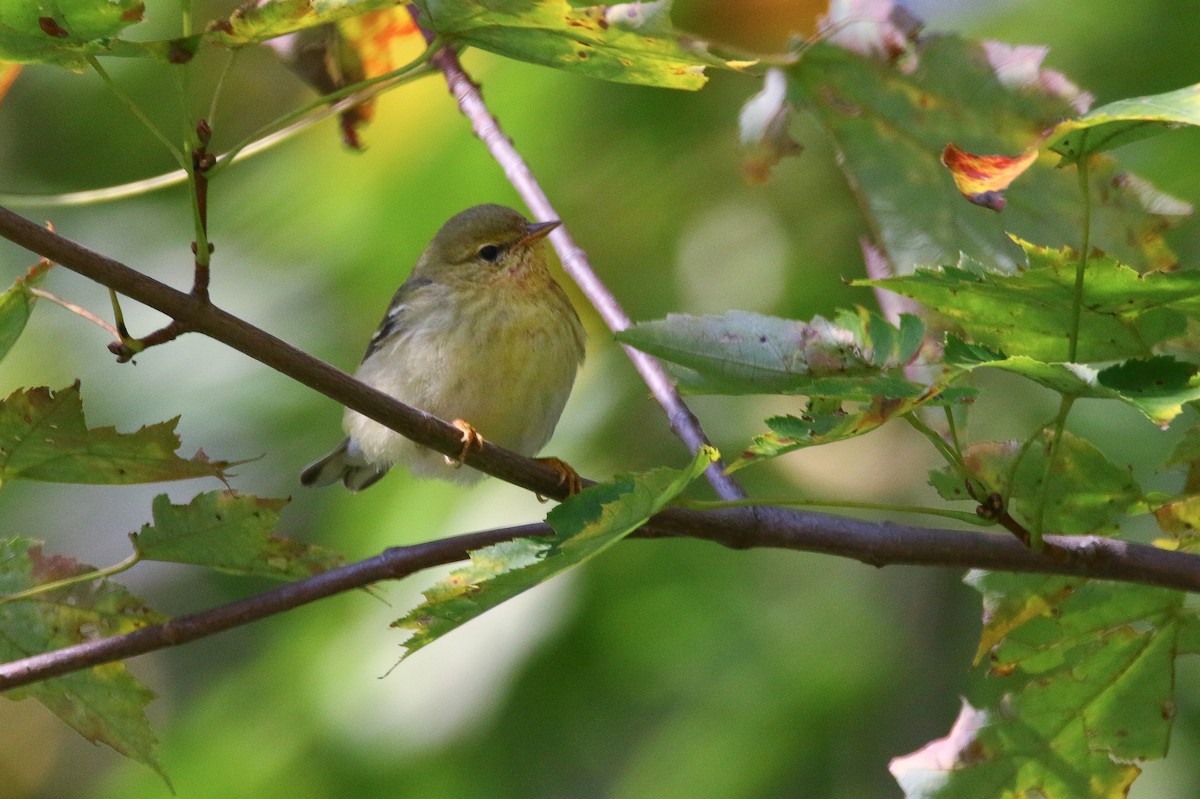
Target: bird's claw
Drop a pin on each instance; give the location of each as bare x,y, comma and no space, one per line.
470,440
566,476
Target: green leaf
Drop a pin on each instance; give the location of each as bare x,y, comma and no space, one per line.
857,357
16,305
1086,493
256,22
626,42
586,525
231,532
43,436
1089,667
1124,313
105,704
1158,386
1125,121
65,32
890,120
825,422
1109,647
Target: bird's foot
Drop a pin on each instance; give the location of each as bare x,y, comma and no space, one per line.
566,476
470,440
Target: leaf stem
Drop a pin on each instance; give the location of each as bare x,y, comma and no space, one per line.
76,309
1068,400
128,102
296,120
951,456
1060,424
67,582
212,106
1081,265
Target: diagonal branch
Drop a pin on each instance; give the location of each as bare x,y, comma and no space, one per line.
196,315
575,261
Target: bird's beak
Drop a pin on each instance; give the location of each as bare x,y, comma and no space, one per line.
537,230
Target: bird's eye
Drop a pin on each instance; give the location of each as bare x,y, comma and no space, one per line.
489,253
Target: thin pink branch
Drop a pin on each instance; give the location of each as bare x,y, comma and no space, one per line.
76,309
575,261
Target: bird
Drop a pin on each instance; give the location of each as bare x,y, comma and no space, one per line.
479,334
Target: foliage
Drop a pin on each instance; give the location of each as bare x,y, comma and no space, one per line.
1055,269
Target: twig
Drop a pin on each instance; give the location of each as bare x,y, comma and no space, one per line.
574,260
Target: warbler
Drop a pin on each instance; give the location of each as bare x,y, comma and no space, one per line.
480,334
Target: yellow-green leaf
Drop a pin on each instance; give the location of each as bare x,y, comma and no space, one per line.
624,42
587,524
43,436
231,532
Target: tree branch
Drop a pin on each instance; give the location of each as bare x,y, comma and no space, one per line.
874,543
574,260
199,316
391,564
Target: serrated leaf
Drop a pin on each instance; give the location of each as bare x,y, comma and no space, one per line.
986,755
252,23
857,357
1158,386
1091,668
821,424
890,116
625,42
1125,121
1109,647
43,436
231,532
65,32
105,703
1124,313
586,524
1086,493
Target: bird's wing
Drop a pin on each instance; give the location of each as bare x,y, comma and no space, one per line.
395,318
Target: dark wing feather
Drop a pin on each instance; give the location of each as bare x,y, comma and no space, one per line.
396,315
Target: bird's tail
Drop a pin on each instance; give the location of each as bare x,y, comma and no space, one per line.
345,463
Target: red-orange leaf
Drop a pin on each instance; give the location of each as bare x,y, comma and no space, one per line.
982,179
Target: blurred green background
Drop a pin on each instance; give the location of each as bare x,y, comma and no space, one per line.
664,669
